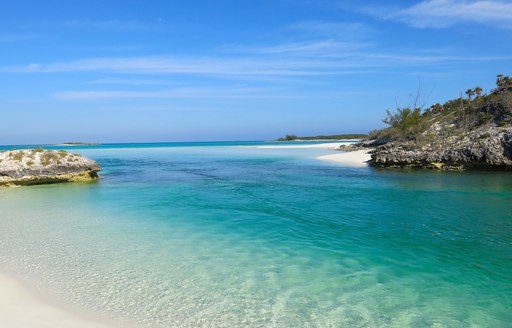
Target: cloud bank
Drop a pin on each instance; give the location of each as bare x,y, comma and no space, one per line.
446,13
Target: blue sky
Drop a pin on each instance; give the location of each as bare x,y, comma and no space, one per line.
121,71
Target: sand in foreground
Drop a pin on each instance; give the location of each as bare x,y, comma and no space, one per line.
19,308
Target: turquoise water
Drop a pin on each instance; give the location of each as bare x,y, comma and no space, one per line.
230,235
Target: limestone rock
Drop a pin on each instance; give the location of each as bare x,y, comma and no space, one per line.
39,166
487,148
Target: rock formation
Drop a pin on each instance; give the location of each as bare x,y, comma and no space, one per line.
484,149
39,166
461,134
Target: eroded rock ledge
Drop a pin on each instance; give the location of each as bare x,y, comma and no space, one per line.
40,166
482,149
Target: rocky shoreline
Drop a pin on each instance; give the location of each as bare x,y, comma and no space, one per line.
461,134
40,166
487,149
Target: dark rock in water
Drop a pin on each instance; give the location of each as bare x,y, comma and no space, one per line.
39,166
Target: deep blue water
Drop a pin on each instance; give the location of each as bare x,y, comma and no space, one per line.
230,235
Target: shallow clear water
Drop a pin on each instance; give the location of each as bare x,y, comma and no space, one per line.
227,236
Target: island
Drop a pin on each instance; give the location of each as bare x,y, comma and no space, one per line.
69,144
466,133
41,166
293,137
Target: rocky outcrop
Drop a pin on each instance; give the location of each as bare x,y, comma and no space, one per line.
39,166
487,148
461,134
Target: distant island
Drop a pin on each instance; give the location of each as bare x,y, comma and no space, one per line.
466,133
78,144
292,137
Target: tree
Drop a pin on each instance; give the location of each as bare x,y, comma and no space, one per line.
404,120
503,84
436,108
290,137
478,91
470,93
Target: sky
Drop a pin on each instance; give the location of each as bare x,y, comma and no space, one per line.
201,70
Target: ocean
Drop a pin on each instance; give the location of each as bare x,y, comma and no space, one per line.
232,235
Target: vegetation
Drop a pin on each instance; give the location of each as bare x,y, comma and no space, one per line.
288,137
16,156
292,137
39,155
80,144
503,84
50,157
413,123
405,121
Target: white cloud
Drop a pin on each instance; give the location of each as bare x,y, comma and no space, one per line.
316,48
217,66
338,30
177,93
276,65
445,13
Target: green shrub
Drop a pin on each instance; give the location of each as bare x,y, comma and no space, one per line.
485,118
504,123
50,157
406,122
16,156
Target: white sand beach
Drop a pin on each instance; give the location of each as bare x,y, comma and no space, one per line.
353,158
20,308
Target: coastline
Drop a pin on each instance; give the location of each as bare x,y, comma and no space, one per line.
326,145
352,158
317,140
22,308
